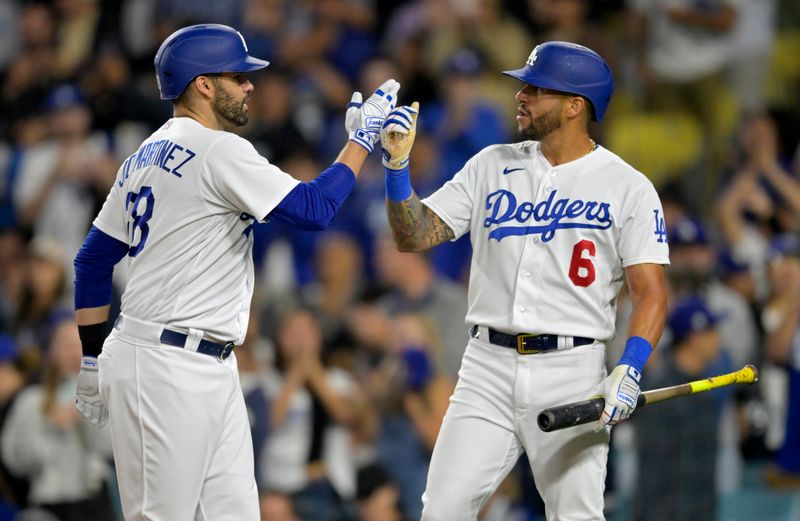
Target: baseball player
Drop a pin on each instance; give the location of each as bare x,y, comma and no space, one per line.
557,225
181,211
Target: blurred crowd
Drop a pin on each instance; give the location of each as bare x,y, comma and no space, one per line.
353,347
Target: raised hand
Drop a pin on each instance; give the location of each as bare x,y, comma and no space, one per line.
397,136
363,121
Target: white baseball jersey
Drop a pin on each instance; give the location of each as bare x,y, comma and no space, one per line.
550,243
185,203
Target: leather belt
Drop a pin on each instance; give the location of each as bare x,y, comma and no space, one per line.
528,344
206,347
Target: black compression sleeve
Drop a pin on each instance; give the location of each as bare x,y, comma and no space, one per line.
92,338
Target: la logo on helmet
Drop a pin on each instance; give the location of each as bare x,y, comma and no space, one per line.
534,53
532,57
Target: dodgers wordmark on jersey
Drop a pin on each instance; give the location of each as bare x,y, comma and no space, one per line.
186,202
550,243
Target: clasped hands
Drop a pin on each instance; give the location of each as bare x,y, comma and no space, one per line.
377,118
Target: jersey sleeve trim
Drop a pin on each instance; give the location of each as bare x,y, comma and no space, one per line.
644,260
443,216
111,233
279,196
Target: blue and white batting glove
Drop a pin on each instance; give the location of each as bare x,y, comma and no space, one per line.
620,389
88,400
363,121
397,136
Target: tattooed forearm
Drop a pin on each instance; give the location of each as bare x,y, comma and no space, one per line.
414,226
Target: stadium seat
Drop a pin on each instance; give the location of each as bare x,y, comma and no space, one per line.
783,81
661,145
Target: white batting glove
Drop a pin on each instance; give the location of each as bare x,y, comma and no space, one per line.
363,121
88,402
620,389
397,136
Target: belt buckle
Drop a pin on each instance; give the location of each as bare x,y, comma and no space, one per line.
226,351
521,345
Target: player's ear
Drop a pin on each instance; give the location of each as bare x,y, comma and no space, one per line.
204,85
575,106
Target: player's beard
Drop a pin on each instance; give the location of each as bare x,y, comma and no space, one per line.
542,126
229,108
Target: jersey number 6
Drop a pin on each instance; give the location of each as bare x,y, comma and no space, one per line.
581,269
141,208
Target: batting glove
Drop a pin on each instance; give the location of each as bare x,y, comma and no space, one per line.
397,136
88,402
363,121
620,389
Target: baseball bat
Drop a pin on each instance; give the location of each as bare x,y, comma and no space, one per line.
578,413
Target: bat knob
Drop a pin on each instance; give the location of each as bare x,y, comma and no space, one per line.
545,420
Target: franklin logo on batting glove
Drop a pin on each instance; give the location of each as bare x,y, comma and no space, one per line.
363,121
620,390
628,391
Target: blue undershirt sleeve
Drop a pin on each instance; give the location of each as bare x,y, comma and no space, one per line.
313,205
94,266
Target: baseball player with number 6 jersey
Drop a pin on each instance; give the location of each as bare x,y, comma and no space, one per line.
558,224
182,211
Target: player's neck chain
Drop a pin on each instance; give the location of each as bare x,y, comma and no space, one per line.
594,147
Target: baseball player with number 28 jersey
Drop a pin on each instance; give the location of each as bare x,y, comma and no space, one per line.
181,211
557,225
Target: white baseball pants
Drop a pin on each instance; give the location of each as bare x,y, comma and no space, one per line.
179,428
492,419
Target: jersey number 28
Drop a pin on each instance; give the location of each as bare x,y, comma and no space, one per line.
141,207
581,269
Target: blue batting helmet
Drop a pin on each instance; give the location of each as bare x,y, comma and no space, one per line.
200,49
571,68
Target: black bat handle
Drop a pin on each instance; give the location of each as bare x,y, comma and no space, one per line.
569,415
576,413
